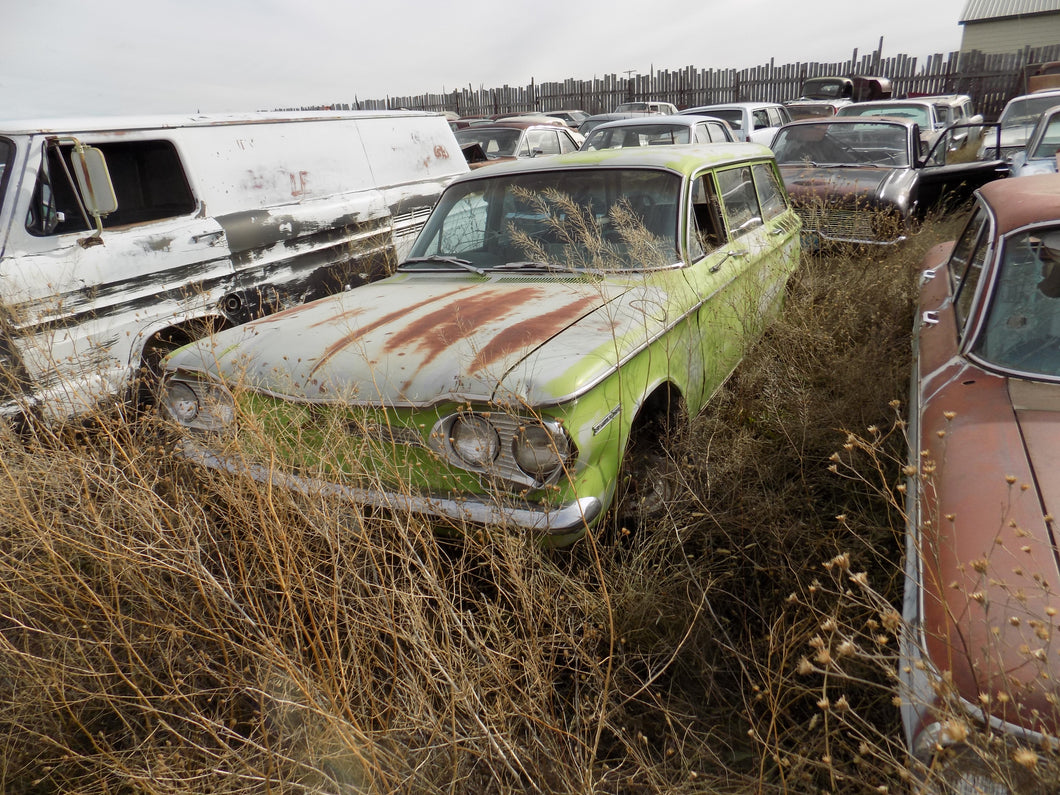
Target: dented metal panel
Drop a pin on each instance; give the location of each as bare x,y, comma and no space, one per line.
282,209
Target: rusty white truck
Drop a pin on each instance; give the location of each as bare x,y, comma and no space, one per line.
123,238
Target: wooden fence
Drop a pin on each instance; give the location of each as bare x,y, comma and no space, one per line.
989,79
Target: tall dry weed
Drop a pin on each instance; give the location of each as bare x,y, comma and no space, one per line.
165,629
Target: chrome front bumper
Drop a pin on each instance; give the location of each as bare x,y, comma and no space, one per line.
569,519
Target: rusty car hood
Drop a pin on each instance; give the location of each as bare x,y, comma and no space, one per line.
421,339
991,446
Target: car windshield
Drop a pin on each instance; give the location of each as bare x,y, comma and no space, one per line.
631,107
876,144
1026,111
637,135
1023,320
1050,139
495,142
577,219
918,113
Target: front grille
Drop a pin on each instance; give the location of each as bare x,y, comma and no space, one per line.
850,225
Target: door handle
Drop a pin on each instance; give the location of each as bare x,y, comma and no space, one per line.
208,237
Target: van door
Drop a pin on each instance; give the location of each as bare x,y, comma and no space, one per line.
83,306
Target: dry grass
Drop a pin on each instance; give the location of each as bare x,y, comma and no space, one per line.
164,629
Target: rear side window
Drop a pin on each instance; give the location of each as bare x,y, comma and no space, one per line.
770,194
149,182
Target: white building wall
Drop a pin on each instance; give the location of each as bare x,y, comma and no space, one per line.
1011,35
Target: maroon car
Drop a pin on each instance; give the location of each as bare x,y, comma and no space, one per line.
980,667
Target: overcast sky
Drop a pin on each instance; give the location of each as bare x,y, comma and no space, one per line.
105,57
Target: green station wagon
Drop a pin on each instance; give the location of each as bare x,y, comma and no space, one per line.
554,318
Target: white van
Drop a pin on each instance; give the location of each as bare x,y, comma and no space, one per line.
123,238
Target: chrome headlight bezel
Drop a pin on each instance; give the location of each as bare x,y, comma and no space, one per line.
197,403
540,450
529,452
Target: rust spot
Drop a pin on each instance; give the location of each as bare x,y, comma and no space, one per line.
435,332
530,332
351,338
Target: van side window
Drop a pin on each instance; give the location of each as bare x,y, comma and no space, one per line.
739,200
149,183
770,194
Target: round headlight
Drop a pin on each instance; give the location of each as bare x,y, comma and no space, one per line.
474,440
539,452
181,402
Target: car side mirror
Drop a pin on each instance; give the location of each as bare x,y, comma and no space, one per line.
93,180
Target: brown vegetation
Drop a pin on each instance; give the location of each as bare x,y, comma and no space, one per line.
165,629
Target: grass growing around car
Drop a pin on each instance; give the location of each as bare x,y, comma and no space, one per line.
165,628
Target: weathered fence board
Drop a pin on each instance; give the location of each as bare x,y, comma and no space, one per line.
990,79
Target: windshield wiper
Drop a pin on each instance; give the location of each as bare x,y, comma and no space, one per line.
530,265
460,263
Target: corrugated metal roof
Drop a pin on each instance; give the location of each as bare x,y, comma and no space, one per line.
982,10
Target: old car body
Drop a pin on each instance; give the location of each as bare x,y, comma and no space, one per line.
829,88
658,130
812,108
921,111
572,118
555,316
1040,155
862,180
650,106
756,122
1017,120
509,139
979,668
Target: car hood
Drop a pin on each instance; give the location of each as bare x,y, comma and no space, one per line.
991,571
838,183
419,340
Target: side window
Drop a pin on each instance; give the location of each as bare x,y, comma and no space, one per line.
775,119
566,143
966,264
770,193
706,217
759,119
148,178
703,133
545,141
739,200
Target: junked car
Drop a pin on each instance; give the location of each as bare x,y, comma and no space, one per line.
979,668
509,139
1017,120
921,111
1041,153
756,122
863,181
657,130
522,367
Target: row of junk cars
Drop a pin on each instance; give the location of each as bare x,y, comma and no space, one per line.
520,363
558,315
